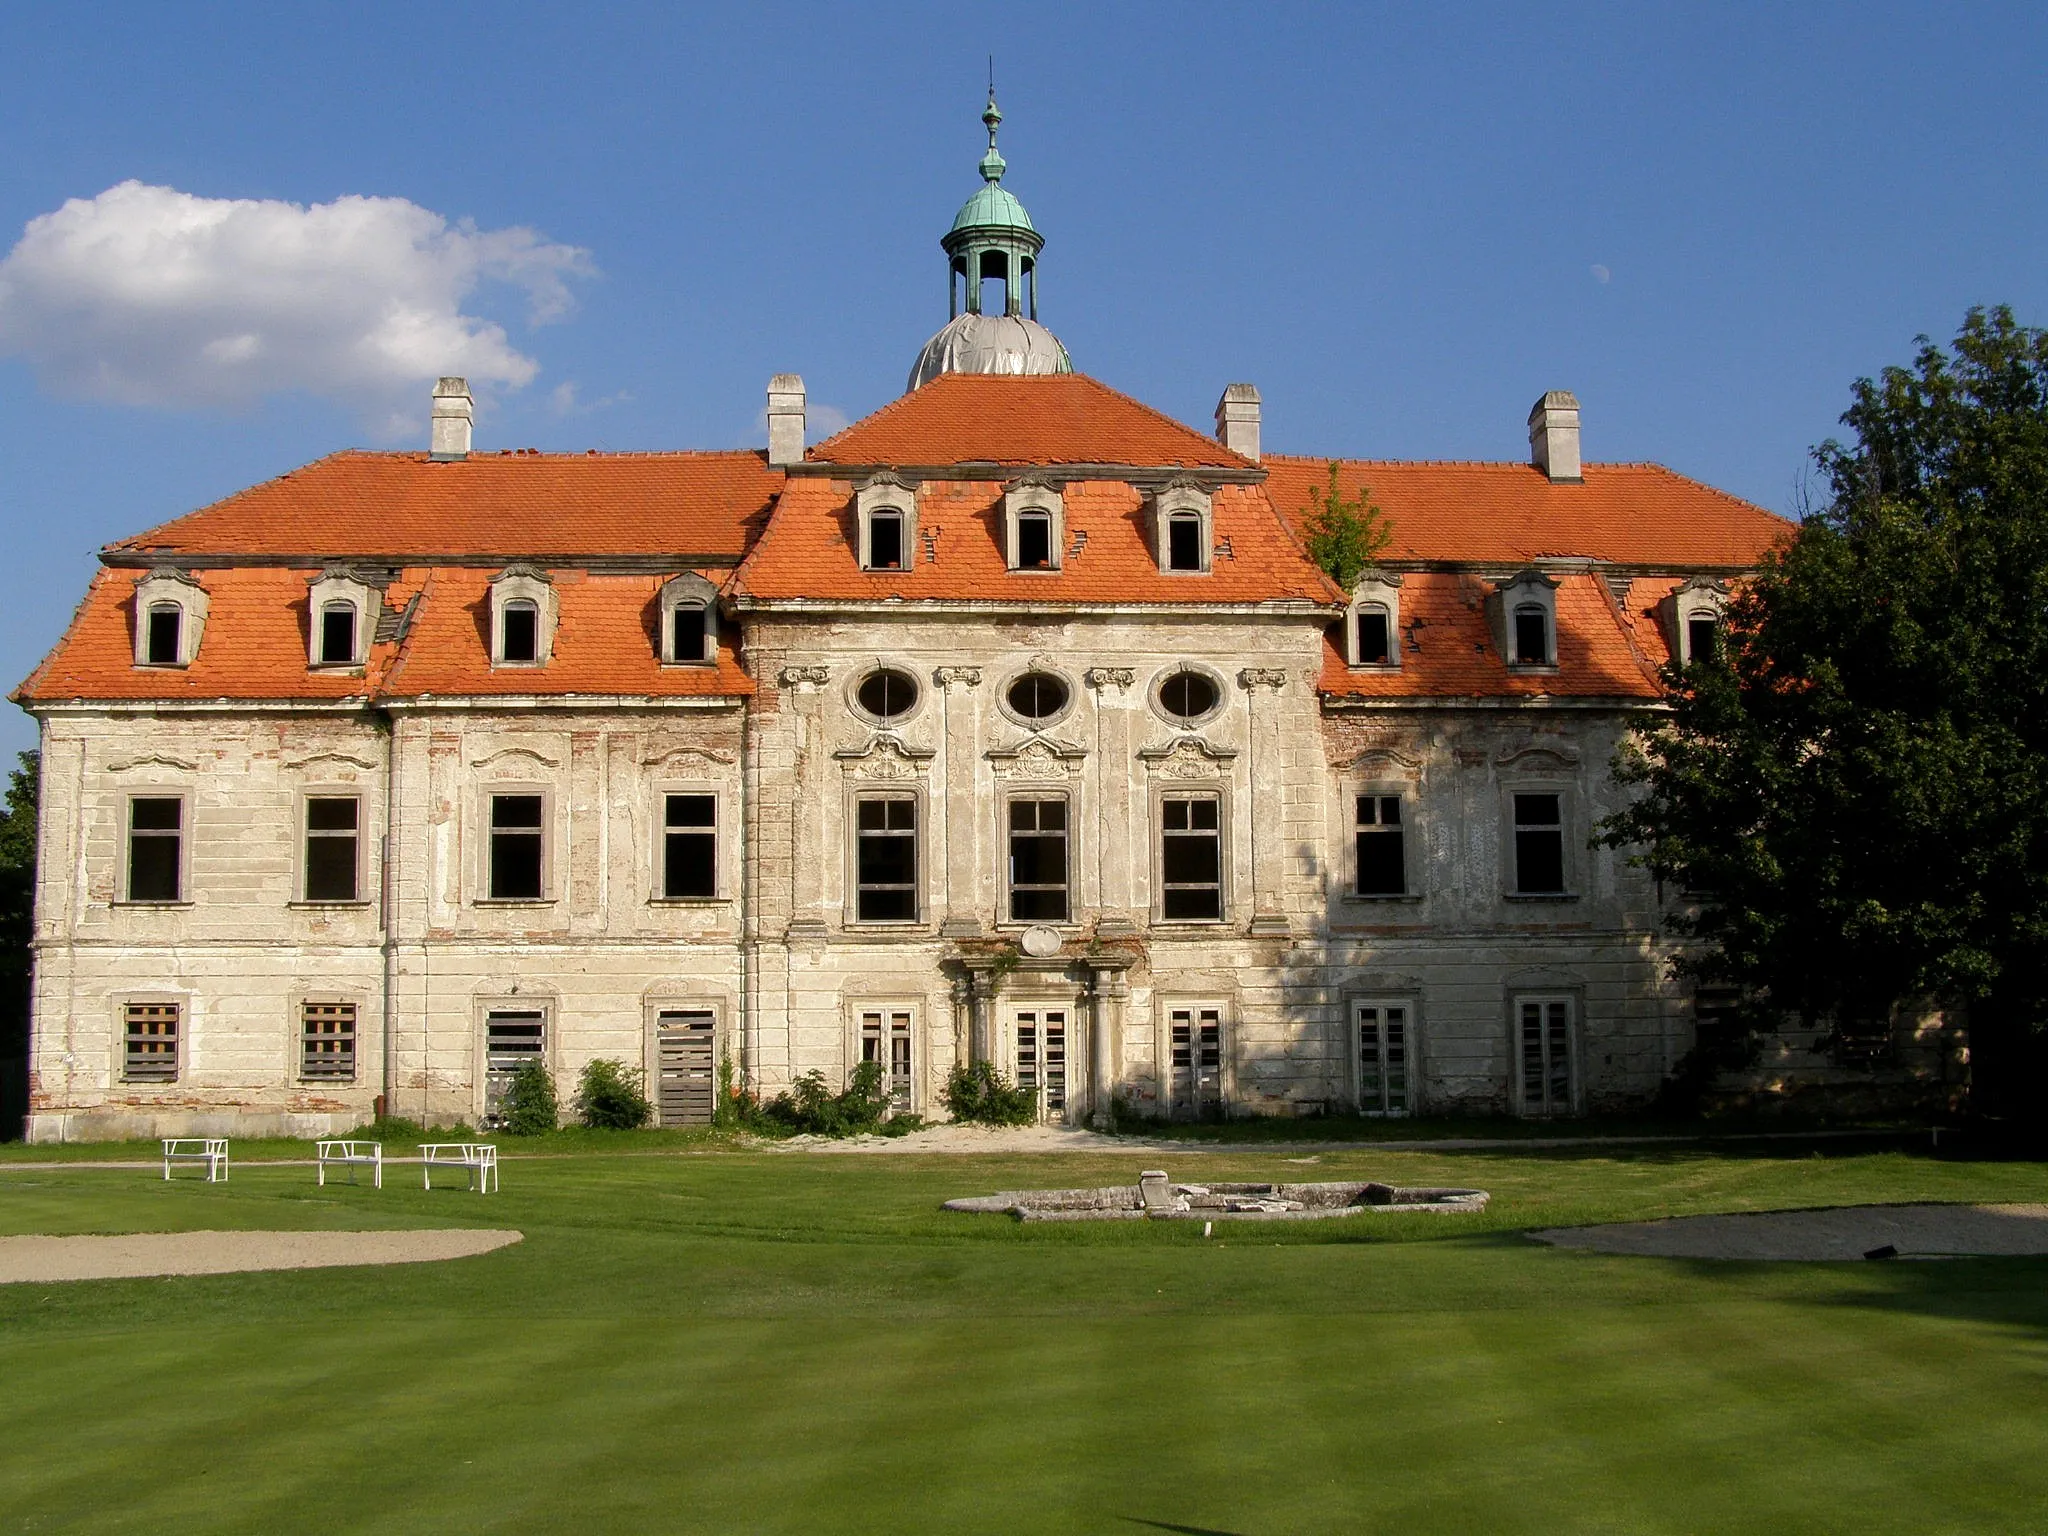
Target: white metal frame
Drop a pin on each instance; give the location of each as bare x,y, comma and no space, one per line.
213,1152
478,1157
349,1154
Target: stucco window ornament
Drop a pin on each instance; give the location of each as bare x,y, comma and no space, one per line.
689,621
803,679
1693,616
1190,757
1372,624
1104,678
1187,695
886,695
1524,614
886,508
170,614
1034,524
1252,678
523,616
957,677
1182,526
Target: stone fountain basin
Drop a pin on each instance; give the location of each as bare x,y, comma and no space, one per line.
1157,1200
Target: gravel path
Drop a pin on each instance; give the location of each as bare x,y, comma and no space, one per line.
1844,1232
25,1259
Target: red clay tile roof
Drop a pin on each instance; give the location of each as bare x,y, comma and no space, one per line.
254,645
1630,514
533,506
809,551
965,418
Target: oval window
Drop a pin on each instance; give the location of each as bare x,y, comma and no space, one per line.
887,694
1187,696
1037,696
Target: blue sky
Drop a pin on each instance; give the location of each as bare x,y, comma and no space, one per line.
1401,223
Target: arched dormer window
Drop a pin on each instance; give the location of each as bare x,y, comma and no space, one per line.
1525,620
1181,527
1373,624
887,508
1693,618
170,614
341,610
1034,525
523,617
689,621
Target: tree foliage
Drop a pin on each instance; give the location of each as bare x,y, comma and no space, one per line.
17,927
529,1108
979,1094
609,1097
1343,535
1854,794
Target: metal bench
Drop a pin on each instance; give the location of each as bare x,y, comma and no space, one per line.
351,1155
198,1149
479,1158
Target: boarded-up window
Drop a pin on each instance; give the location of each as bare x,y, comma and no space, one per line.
327,1042
1544,1026
1195,1062
150,1049
1382,1057
687,1074
1042,1059
885,1038
512,1038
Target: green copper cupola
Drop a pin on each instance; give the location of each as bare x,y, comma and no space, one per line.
992,240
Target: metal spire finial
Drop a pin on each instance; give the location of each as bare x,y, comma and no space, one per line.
992,166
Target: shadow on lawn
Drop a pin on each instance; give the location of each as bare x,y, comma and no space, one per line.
1185,1530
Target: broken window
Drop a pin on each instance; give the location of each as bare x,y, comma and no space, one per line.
885,1038
1375,638
1382,1058
1195,1062
512,1038
327,1042
1191,859
163,641
885,541
516,847
689,851
1545,1026
338,634
1034,541
1184,542
1539,845
1532,636
686,1083
1042,1059
885,859
689,632
1038,861
333,838
156,843
1382,860
150,1045
1702,636
519,640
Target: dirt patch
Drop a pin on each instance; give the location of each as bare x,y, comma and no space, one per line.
1843,1232
26,1259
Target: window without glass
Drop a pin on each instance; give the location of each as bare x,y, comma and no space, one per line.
1191,860
515,873
1037,696
885,541
150,1043
1382,1058
1545,1029
1042,1059
885,1039
1382,862
512,1038
1375,641
887,694
1702,635
1184,542
327,1041
1034,541
333,839
1539,844
165,635
1187,696
1532,636
156,841
338,633
689,633
689,856
1038,861
1195,1062
885,859
522,631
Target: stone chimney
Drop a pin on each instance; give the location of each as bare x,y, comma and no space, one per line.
1237,420
1554,437
785,420
454,416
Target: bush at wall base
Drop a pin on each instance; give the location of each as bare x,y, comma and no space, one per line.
608,1097
529,1105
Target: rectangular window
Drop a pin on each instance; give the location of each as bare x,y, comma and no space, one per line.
327,1042
1545,1026
689,629
150,1047
1539,845
1042,1059
1374,642
1183,543
1195,1062
885,1038
1382,1057
1034,541
516,846
1038,861
1532,637
522,632
1701,632
156,843
689,846
688,1069
1191,860
885,541
1382,861
163,642
885,860
333,838
512,1038
338,633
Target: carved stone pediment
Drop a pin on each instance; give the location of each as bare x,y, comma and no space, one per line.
149,760
1188,757
1537,759
1041,757
884,756
346,759
1383,758
659,753
508,757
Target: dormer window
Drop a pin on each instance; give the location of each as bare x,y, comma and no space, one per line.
887,508
1181,527
1693,620
1524,612
1702,635
1034,518
1373,626
523,617
170,612
689,621
343,607
338,633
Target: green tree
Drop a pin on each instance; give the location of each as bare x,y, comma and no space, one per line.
1343,535
529,1108
1853,795
608,1096
17,924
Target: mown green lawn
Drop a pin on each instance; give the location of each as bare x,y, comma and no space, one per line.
781,1342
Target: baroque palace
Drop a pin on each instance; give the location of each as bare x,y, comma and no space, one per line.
1011,723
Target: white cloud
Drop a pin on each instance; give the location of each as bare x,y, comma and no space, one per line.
1600,273
151,296
566,399
820,422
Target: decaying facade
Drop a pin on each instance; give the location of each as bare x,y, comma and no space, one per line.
1010,723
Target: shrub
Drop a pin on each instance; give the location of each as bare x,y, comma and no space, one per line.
608,1097
529,1107
811,1107
980,1095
